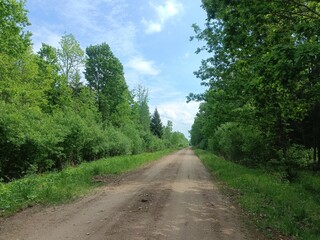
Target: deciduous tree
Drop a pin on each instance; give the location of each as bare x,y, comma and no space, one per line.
70,56
104,73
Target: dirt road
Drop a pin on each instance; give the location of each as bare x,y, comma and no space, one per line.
173,198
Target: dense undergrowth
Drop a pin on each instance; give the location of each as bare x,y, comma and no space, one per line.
72,182
275,205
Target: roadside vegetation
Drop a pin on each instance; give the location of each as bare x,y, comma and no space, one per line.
278,207
71,182
262,103
261,108
53,116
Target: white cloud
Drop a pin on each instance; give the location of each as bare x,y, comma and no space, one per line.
152,27
164,13
143,66
103,21
92,22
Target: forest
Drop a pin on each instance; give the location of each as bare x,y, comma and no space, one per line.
54,115
262,103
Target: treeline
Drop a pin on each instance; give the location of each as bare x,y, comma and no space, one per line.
262,106
51,117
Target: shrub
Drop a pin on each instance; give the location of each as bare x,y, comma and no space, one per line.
136,141
31,140
298,156
238,142
152,142
118,143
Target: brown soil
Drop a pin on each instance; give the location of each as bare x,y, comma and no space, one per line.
172,198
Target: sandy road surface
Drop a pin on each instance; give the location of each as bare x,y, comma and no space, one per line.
173,198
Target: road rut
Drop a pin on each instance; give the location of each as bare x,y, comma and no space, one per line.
172,198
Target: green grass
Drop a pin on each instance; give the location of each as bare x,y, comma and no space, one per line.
291,209
72,182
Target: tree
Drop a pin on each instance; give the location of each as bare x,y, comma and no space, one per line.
59,94
167,131
14,40
76,84
179,140
143,108
104,73
156,124
70,56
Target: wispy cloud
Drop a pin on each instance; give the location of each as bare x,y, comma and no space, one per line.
43,34
143,67
93,22
164,13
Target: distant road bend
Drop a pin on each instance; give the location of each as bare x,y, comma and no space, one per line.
172,198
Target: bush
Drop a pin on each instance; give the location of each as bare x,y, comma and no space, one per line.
153,143
238,142
136,141
118,143
21,140
96,143
32,141
298,156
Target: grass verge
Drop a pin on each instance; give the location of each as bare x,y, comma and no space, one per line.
275,206
72,182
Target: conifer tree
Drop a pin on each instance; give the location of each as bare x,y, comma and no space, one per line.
156,124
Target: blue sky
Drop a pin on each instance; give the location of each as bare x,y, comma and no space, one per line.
150,37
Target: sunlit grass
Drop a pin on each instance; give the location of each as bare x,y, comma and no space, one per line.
292,209
72,182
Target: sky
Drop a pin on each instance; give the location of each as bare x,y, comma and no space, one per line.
150,38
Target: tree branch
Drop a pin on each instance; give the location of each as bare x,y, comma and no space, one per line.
305,6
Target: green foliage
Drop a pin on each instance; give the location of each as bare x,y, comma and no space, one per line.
179,140
238,142
14,40
152,143
45,142
289,209
230,141
141,95
21,82
263,72
70,56
71,182
288,167
119,144
173,139
156,124
104,73
135,138
299,156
